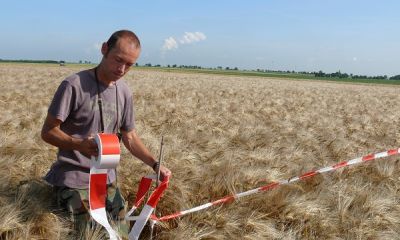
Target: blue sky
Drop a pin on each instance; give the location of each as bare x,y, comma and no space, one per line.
360,37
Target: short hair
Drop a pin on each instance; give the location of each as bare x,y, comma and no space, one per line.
112,41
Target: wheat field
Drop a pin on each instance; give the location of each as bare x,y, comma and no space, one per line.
222,135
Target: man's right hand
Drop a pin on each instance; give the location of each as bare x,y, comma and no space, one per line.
51,133
88,147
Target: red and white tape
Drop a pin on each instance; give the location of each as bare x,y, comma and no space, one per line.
148,209
108,158
282,182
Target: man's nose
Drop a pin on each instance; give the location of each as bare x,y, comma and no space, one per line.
121,67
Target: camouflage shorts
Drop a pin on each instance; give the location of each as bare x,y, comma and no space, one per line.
76,202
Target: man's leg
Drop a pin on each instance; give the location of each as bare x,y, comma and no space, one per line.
75,201
115,206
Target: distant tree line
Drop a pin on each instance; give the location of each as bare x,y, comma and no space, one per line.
173,66
41,61
188,66
30,61
397,77
319,74
338,74
84,62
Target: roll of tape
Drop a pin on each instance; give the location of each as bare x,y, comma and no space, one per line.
108,151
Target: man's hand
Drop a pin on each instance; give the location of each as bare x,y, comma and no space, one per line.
164,172
51,133
88,147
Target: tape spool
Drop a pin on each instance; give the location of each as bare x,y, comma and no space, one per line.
108,151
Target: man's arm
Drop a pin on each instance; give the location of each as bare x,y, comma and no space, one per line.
133,143
52,134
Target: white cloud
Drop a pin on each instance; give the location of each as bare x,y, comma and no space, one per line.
170,43
188,38
354,59
191,37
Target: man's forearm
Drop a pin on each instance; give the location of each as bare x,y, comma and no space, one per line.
58,138
133,143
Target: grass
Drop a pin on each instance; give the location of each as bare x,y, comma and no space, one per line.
223,135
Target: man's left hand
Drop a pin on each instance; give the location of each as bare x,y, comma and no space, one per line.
164,172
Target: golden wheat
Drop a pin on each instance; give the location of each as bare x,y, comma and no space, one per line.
223,135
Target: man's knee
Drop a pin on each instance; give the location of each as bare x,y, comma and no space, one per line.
75,201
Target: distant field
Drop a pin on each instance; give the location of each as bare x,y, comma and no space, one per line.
223,134
240,73
272,75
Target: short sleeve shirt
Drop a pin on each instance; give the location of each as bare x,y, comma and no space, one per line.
75,104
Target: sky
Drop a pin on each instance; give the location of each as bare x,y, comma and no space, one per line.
352,36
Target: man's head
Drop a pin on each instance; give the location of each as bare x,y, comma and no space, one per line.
120,52
130,36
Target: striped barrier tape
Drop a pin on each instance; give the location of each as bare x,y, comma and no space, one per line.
278,183
108,158
148,209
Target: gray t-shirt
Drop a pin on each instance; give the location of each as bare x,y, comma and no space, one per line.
75,104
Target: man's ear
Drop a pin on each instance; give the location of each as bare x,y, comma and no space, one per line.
104,49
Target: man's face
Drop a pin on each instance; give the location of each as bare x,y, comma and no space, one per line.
119,59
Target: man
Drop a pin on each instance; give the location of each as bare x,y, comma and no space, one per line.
76,114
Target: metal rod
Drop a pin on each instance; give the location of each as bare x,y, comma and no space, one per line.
160,158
